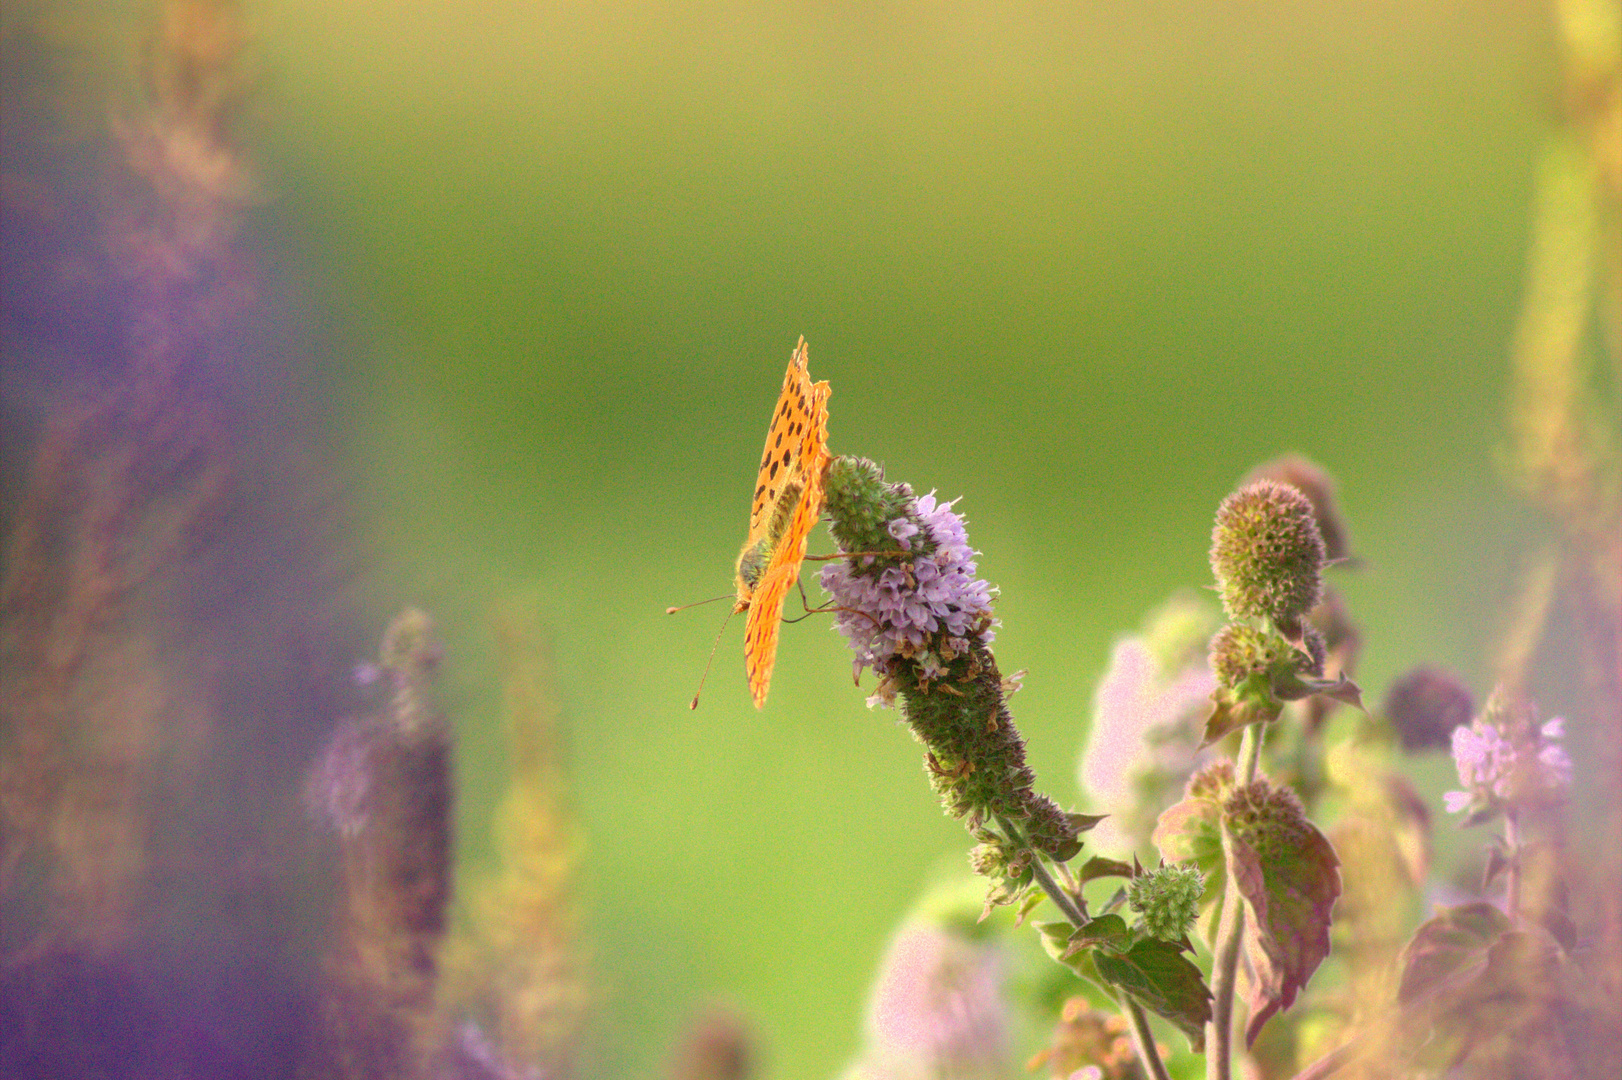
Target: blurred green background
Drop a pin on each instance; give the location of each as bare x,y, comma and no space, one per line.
1082,265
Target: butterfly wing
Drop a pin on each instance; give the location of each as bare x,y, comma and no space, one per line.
782,570
779,482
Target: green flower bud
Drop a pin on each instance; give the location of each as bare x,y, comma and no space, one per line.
1168,899
1267,553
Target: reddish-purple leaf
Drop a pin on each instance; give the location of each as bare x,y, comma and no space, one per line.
1190,830
1289,878
1455,939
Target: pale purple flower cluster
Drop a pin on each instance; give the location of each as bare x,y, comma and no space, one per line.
1143,727
931,607
1492,768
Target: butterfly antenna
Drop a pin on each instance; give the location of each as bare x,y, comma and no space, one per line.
696,603
893,552
711,660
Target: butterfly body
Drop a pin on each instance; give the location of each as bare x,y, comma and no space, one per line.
787,504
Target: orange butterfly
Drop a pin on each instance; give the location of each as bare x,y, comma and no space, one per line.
787,505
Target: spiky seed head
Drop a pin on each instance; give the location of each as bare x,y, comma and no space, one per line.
1239,651
1264,816
1167,899
1310,478
1267,553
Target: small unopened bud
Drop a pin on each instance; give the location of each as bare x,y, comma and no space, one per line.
1168,899
1267,553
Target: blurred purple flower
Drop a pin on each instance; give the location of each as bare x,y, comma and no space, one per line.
937,1010
338,791
1495,770
1143,727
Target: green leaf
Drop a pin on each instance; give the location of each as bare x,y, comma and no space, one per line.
1106,931
1085,822
1293,686
1159,977
1032,900
1055,936
1056,943
1251,702
1288,876
1444,946
1100,867
1492,1003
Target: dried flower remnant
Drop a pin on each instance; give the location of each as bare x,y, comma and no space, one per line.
517,961
129,478
183,144
718,1046
1426,705
383,970
1088,1044
338,791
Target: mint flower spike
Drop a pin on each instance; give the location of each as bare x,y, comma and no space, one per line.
920,617
927,608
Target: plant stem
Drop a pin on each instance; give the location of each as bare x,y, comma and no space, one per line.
1512,878
1142,1038
1250,755
1061,899
1230,933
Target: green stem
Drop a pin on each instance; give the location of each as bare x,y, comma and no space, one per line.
1230,934
1250,755
1061,899
1142,1038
